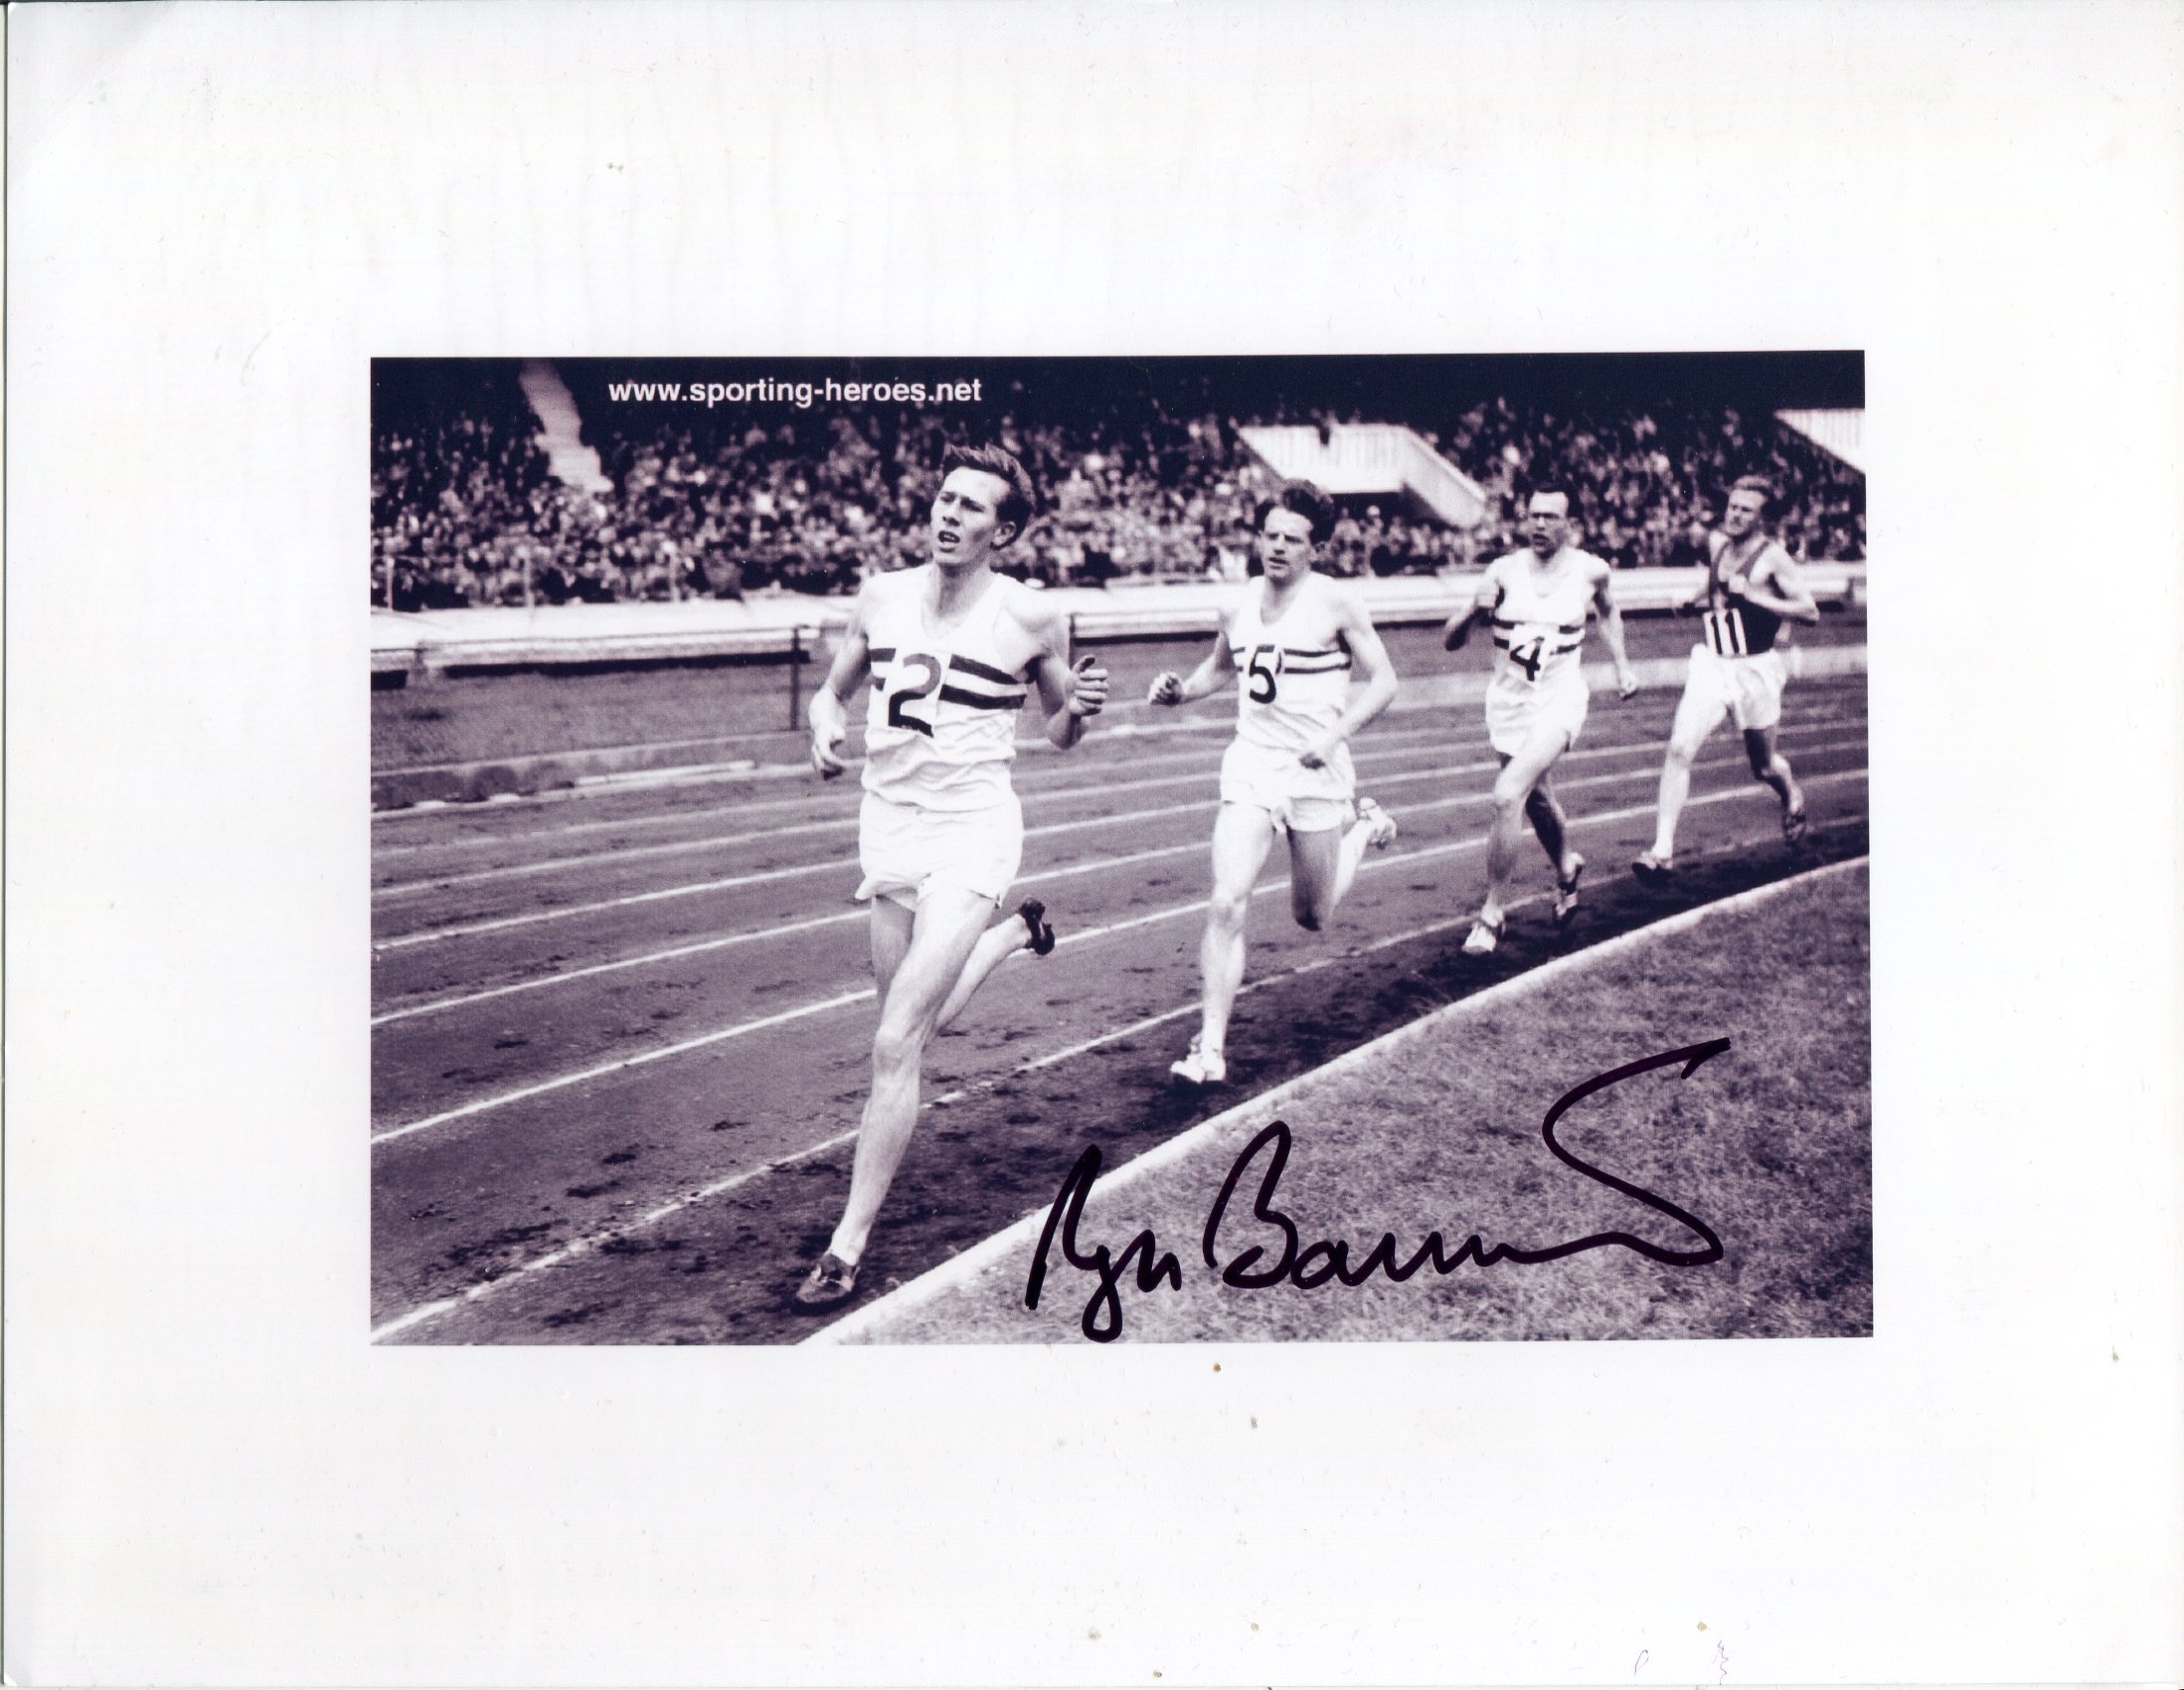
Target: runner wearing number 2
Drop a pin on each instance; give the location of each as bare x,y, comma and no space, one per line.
953,650
1537,600
1291,641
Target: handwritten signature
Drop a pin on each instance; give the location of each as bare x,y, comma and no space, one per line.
1307,1265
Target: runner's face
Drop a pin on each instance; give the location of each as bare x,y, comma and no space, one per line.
966,524
1743,510
1547,522
1284,545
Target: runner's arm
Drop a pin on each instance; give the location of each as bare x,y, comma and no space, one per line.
1067,696
1603,600
1775,584
1354,628
1484,597
829,714
1202,682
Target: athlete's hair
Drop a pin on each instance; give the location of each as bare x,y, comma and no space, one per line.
1306,500
1550,490
1759,484
1018,503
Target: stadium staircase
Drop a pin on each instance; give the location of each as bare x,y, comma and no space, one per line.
1381,458
560,427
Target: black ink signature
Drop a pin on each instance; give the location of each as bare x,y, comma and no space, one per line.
1308,1265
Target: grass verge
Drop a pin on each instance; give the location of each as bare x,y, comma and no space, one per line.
1437,1128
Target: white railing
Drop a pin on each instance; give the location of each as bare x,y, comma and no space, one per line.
495,638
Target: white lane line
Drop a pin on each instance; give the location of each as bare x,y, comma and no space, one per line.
841,1140
1458,738
592,1241
682,847
1311,965
959,1269
697,947
648,780
1043,876
684,1048
715,774
844,865
709,774
703,1040
1379,748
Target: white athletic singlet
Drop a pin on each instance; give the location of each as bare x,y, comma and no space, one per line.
1287,694
1540,622
941,725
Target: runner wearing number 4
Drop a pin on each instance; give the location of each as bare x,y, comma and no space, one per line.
1291,641
953,650
1537,601
1751,588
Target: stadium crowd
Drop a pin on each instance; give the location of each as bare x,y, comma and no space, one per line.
465,510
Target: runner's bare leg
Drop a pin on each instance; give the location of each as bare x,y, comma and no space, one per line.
1550,824
1694,722
1769,765
1512,792
1316,877
945,931
1242,836
995,947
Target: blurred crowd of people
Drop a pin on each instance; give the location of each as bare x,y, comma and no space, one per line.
466,511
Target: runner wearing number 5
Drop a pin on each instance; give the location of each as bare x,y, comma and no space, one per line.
1751,588
1537,601
1291,641
954,651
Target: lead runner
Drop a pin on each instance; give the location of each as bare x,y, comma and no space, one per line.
951,648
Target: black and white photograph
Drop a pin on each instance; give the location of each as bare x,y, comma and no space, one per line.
1144,843
1023,850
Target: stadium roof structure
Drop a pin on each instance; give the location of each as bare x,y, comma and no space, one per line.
560,430
1370,458
1840,433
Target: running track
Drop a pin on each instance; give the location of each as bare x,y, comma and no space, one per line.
619,1041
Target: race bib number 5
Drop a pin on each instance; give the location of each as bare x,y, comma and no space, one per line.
1264,666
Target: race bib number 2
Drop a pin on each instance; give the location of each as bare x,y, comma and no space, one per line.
923,672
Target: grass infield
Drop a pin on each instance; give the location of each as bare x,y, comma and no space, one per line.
1438,1129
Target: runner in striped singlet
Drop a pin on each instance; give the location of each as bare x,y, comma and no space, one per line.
953,651
1538,599
1751,588
1291,641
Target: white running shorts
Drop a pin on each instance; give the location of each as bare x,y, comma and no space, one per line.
906,850
1516,712
1750,689
1297,799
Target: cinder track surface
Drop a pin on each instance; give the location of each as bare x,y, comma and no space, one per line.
621,1041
